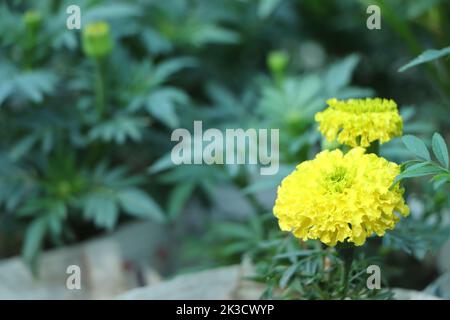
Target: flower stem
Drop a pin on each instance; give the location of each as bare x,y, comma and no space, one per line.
99,87
347,254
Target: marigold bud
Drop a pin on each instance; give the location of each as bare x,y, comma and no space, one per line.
277,62
97,40
32,20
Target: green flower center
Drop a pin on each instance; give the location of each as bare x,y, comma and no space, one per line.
338,180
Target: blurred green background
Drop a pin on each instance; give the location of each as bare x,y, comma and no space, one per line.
85,137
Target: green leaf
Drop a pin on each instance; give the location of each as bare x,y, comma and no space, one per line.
415,9
440,180
58,210
22,147
34,238
111,11
161,164
416,146
421,167
179,197
440,149
236,248
34,84
6,89
55,225
409,163
233,230
261,185
267,7
296,254
340,73
287,275
57,213
118,129
162,103
102,209
137,203
155,42
418,170
167,68
211,33
426,56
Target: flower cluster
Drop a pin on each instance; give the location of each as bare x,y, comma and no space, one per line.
348,197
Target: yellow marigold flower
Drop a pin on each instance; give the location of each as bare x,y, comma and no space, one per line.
358,122
340,197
